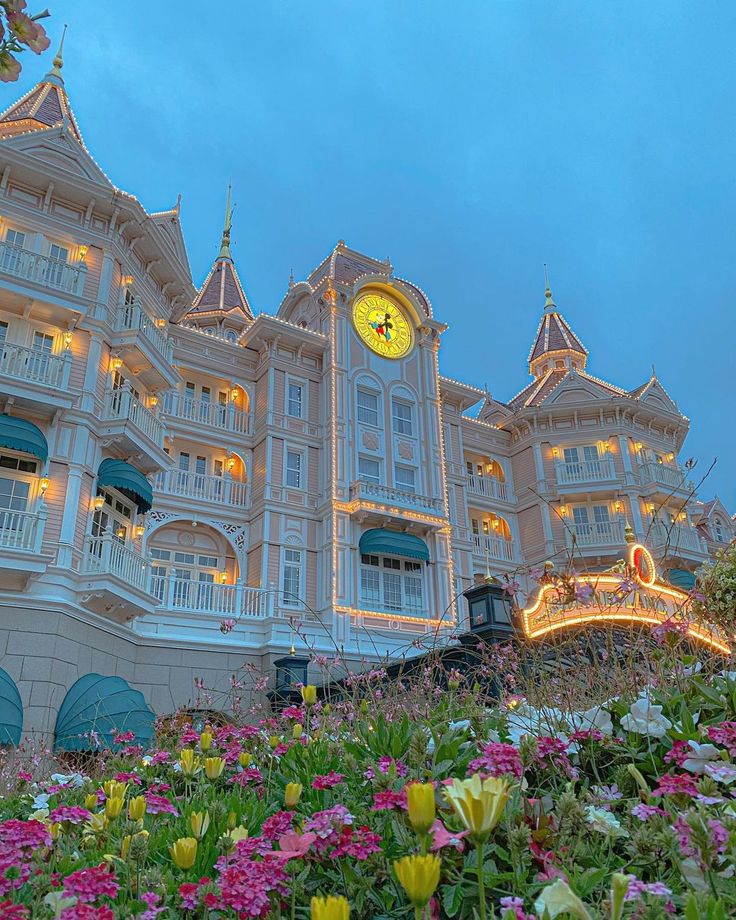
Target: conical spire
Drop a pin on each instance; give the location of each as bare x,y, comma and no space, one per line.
225,243
555,345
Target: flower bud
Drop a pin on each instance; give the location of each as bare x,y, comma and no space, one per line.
184,852
292,794
244,759
137,808
205,741
309,694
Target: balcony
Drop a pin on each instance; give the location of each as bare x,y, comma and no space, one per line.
219,489
144,346
572,473
21,533
117,578
596,534
210,414
661,478
128,422
494,547
36,379
489,487
675,540
42,271
231,601
373,493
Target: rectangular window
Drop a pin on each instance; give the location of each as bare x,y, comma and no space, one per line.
476,526
391,584
3,332
405,478
600,514
292,577
368,407
184,461
571,455
403,417
16,238
580,515
43,343
370,587
392,591
590,453
294,400
13,495
293,469
59,252
200,466
16,463
369,470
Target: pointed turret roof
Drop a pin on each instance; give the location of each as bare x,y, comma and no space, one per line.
222,291
44,106
554,338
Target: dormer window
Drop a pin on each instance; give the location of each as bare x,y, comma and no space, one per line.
718,529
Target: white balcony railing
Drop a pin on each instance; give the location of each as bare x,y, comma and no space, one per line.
106,555
22,530
43,270
132,316
236,600
670,476
488,486
204,412
373,492
35,366
676,538
222,489
574,472
597,533
495,547
124,405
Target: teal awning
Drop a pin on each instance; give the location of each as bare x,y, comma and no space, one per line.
18,434
97,708
393,543
682,579
11,710
127,479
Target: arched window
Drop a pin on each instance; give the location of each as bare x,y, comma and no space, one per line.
390,583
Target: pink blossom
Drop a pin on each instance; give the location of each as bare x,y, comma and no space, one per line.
82,911
676,784
637,888
91,883
277,825
151,899
73,814
498,759
246,884
724,734
328,780
385,763
123,737
293,845
10,911
189,894
441,837
387,799
645,812
359,843
160,757
293,712
328,825
517,906
678,754
159,805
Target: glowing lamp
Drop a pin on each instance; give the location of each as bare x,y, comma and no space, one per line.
563,510
555,452
153,401
83,250
120,532
230,464
638,445
43,484
650,509
116,363
99,502
234,395
139,530
128,280
160,323
618,506
67,337
223,578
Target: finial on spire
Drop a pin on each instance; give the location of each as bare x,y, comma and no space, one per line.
629,534
549,304
58,62
291,279
654,372
225,244
488,577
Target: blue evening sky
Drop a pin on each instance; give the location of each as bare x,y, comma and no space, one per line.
469,141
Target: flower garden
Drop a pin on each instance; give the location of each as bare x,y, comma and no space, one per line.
421,800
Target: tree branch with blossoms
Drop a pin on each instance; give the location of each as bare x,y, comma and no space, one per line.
18,31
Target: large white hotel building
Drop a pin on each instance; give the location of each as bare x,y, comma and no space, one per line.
169,459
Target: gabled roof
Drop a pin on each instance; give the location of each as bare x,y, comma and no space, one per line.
652,391
44,106
346,266
538,391
170,224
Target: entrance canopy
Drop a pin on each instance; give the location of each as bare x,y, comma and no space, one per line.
127,479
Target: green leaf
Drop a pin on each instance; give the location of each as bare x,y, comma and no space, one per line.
452,899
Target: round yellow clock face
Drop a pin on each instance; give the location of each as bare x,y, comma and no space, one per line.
383,325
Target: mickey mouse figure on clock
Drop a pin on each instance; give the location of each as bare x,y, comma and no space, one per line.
383,325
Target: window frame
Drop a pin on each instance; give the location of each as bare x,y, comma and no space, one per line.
302,401
291,598
402,487
396,420
300,468
363,477
394,578
375,394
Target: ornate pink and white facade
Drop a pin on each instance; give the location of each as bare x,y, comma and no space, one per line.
171,458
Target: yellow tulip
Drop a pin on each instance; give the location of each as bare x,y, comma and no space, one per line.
419,877
327,709
113,807
114,789
330,908
125,846
97,823
309,694
421,806
189,762
479,803
213,767
274,741
296,731
232,820
205,741
184,852
234,835
292,794
55,830
244,759
90,801
200,821
137,808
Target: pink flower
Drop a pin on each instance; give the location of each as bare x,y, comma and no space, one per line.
724,734
246,884
498,759
10,911
358,842
123,737
82,911
328,780
151,899
160,757
91,883
189,894
676,784
678,754
388,799
637,888
159,805
28,32
294,846
328,825
441,837
293,712
645,812
73,814
385,763
277,825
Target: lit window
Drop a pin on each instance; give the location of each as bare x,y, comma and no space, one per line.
294,402
403,417
292,577
293,469
391,584
369,470
368,407
406,478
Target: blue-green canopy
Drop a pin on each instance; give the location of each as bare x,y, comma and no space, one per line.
95,709
18,434
393,543
681,578
127,479
11,710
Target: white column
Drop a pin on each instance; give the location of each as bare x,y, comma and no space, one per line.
69,516
91,372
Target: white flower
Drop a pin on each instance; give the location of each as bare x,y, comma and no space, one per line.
702,754
596,717
721,772
604,821
40,800
72,779
645,718
558,898
58,901
40,814
695,669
